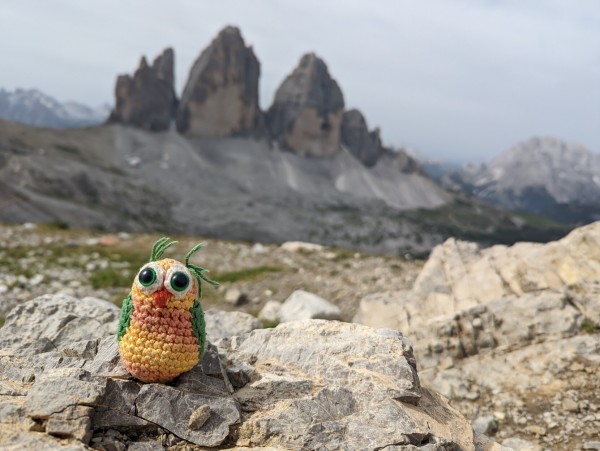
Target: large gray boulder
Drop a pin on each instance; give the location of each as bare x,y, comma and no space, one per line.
308,384
317,384
306,114
220,97
147,100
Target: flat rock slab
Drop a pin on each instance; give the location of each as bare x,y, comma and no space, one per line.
318,384
172,409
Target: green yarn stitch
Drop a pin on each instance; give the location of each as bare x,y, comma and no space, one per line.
198,327
125,318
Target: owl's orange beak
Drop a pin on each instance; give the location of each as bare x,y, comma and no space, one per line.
161,297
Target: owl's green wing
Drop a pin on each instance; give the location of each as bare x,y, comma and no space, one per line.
125,318
198,326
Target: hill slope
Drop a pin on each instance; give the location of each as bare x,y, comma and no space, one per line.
115,177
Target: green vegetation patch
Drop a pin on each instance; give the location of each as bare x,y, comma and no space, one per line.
589,327
244,274
111,278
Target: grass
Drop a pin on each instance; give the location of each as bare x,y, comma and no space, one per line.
244,274
110,278
1,320
589,327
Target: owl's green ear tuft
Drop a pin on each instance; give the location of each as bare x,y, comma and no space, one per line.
198,271
161,245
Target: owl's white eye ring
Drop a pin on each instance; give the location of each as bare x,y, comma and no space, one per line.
150,278
178,281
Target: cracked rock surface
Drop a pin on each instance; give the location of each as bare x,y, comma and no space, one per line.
309,384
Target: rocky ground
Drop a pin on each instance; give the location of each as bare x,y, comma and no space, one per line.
509,335
36,260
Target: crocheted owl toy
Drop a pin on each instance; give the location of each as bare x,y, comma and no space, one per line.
161,328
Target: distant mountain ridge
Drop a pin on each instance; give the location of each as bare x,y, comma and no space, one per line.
33,107
541,175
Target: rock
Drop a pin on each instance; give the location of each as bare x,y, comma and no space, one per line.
591,445
52,322
486,425
145,446
304,305
221,94
199,417
235,297
364,145
172,409
306,114
147,100
318,384
569,405
271,312
57,389
521,445
305,384
300,246
73,422
221,324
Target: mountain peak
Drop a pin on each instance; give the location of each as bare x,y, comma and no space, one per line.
147,100
307,110
221,94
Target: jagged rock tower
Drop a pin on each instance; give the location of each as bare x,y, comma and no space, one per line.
221,95
147,100
307,111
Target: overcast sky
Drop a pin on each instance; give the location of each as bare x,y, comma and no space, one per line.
451,79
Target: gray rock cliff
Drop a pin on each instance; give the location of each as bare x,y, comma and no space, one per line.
147,100
221,95
306,114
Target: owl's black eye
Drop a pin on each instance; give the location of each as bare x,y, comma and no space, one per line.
147,277
180,281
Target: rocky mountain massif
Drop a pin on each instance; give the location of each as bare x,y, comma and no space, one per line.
544,176
304,170
221,99
32,107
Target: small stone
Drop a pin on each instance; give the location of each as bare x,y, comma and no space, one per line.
499,415
304,305
258,248
108,240
537,430
235,297
591,445
521,421
199,417
485,425
270,312
36,280
569,405
300,246
576,366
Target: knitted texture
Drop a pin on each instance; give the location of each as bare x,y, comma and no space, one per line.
162,329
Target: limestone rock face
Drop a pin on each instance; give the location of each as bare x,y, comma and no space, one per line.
363,144
307,384
221,95
318,384
147,100
306,115
467,301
